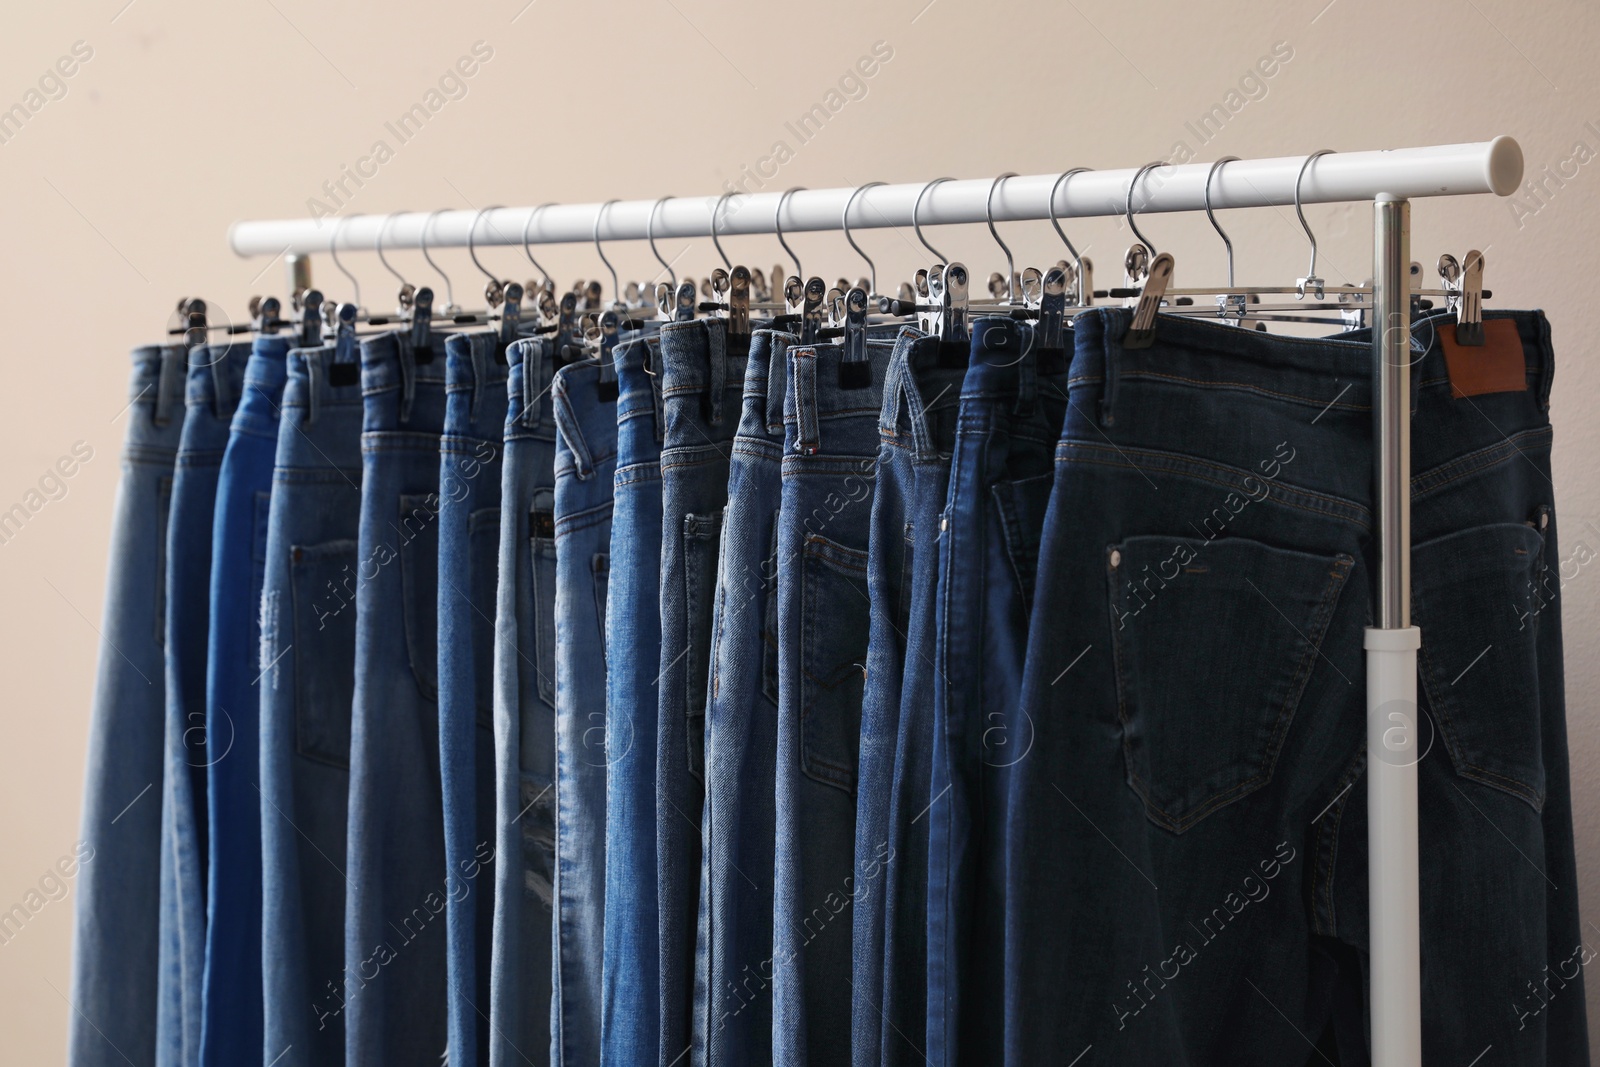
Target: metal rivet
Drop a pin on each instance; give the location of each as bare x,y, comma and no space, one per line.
1116,559
1544,520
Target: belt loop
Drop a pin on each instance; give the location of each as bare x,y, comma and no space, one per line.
717,336
777,366
221,391
408,374
571,430
889,418
1112,345
533,360
174,361
804,361
312,358
1027,375
652,353
479,369
1547,361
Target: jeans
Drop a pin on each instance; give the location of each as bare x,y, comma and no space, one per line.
307,683
585,467
889,938
215,372
733,1014
630,1008
830,411
1012,402
524,716
1185,862
469,560
232,1029
702,379
394,922
116,922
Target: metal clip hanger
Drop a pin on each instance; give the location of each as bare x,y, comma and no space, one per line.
1080,272
1469,305
504,296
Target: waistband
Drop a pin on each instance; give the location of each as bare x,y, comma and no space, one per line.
216,373
471,368
907,407
697,360
824,384
316,380
638,363
1318,373
157,384
530,367
391,362
764,374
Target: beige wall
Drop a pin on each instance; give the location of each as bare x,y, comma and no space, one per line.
190,115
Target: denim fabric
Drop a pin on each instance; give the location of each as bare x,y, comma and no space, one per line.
1502,942
307,683
1185,866
469,561
1012,402
916,431
394,912
630,1008
231,1032
116,922
215,372
733,1010
585,467
830,412
524,716
702,380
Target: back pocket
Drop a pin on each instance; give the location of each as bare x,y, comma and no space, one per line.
418,532
1479,597
322,580
1213,642
702,538
835,620
483,550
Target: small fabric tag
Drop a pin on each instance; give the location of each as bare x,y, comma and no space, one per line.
1497,367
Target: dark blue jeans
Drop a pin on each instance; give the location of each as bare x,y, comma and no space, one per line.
1185,875
307,682
831,411
586,460
524,715
469,562
232,1030
631,1000
1012,402
916,429
215,374
116,923
394,914
702,379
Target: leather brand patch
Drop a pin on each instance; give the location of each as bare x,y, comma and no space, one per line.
1499,366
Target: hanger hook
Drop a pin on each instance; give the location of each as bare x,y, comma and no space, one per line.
650,235
988,214
449,290
844,222
1137,177
716,212
916,227
527,249
1311,274
601,252
333,250
1213,218
381,257
1077,259
472,250
777,224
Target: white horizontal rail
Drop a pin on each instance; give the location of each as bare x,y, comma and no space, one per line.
1403,173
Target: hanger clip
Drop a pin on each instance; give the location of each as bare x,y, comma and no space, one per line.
1053,307
421,318
952,301
813,313
1142,331
310,305
343,321
266,315
1468,302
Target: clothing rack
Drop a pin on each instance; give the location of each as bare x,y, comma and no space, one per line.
1388,179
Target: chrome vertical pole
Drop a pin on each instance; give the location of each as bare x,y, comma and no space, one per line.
299,267
1392,743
